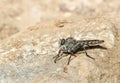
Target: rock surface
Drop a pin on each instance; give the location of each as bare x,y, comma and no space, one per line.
28,56
27,51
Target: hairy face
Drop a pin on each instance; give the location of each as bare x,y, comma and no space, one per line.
67,44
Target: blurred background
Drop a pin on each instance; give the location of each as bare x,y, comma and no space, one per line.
16,15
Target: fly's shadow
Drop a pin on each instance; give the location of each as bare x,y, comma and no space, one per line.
96,47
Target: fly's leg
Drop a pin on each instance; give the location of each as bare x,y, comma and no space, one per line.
69,60
87,54
57,54
60,53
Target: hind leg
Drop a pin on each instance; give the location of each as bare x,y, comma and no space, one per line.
87,54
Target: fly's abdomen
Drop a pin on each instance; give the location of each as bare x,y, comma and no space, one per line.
91,42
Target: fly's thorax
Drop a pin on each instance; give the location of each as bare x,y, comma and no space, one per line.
66,49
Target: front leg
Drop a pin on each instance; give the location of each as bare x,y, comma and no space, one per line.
69,60
60,53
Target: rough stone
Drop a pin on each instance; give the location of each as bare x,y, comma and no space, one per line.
28,55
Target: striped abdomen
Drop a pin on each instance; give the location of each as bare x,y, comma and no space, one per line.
91,42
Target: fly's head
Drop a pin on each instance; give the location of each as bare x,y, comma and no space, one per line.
66,44
62,44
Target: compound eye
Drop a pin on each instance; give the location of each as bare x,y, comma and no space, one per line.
62,42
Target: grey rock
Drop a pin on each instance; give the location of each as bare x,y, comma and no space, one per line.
28,55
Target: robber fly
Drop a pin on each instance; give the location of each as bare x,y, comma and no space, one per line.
70,46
